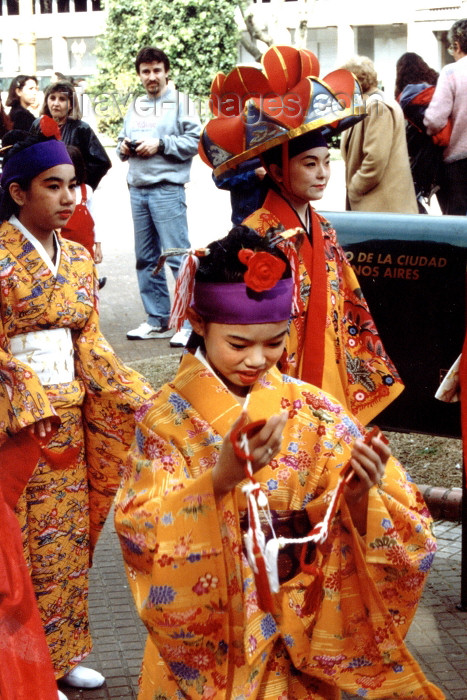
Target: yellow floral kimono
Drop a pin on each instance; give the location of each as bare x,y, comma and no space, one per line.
334,344
195,590
67,499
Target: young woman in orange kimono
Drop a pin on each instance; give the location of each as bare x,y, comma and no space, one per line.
284,113
61,385
229,450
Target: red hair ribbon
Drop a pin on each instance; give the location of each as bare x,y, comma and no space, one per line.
185,281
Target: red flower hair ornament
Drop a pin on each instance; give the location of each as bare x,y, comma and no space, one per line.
264,270
49,127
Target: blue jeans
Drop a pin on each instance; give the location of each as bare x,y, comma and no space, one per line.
159,220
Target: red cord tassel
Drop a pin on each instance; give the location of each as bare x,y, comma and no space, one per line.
314,593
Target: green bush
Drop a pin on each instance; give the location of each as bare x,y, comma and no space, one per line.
200,37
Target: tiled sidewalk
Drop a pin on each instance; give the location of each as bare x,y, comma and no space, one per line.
438,636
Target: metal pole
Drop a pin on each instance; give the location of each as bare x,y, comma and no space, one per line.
463,394
463,604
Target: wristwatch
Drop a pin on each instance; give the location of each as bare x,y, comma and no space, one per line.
161,147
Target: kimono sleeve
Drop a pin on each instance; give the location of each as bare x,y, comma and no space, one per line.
113,392
163,513
400,546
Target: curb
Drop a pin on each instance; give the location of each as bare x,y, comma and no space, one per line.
443,504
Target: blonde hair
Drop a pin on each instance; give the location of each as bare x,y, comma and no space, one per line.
364,70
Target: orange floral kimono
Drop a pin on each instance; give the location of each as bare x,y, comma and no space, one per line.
195,590
334,343
69,494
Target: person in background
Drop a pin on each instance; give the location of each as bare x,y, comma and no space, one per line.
415,85
449,102
22,98
80,227
61,103
62,387
159,138
377,168
198,474
247,189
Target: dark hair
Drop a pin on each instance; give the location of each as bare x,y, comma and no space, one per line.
78,161
149,54
17,83
310,139
17,140
411,68
222,263
74,111
458,32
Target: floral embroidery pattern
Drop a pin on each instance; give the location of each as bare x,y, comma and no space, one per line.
62,511
202,591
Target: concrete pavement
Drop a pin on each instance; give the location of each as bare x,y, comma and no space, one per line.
438,636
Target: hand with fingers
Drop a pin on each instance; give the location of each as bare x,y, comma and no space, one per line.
264,442
368,461
41,428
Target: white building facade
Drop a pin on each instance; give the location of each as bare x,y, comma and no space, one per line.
383,31
41,37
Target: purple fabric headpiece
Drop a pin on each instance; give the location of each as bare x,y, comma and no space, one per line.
32,161
235,303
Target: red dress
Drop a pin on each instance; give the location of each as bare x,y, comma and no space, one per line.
80,226
26,668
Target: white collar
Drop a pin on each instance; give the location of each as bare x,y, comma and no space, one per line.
53,267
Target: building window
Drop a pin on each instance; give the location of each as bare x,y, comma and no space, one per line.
366,41
12,7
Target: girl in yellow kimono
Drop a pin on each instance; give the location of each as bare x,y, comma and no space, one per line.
62,391
202,489
284,113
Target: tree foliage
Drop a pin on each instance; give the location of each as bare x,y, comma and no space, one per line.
200,38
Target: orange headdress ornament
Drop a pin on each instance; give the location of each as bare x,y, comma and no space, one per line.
256,109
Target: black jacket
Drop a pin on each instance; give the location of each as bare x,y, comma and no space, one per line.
77,133
21,117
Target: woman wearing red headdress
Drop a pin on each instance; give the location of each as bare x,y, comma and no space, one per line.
285,116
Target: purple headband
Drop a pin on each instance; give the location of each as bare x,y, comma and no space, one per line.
32,161
235,303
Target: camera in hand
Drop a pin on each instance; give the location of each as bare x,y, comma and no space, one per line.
132,146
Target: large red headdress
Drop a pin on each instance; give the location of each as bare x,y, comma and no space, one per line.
256,109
